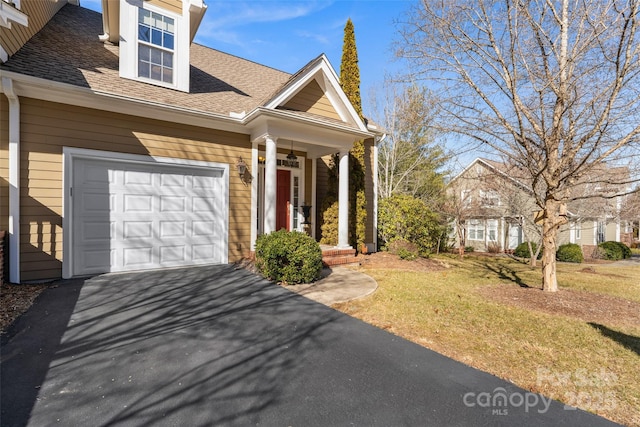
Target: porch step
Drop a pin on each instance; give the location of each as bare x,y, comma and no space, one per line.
334,257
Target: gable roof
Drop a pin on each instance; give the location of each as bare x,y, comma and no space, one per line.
495,167
68,51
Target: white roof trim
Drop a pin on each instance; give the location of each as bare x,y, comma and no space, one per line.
321,70
10,14
64,93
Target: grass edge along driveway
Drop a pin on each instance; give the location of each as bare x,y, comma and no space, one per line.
589,364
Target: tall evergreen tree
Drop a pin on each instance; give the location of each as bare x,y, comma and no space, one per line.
350,83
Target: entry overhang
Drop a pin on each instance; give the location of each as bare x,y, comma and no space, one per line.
317,136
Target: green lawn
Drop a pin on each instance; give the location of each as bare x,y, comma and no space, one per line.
586,364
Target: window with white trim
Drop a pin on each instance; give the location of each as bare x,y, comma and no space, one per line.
475,230
492,230
156,36
578,230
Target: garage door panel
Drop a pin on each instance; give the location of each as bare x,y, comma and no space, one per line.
173,229
203,252
138,257
138,203
129,216
173,203
171,254
97,260
171,180
98,231
137,229
144,177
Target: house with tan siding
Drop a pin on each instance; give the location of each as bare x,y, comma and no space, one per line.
496,209
125,146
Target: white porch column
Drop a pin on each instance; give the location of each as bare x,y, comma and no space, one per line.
343,201
14,180
312,202
270,184
254,194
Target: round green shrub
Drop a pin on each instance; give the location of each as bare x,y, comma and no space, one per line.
569,252
289,257
403,217
522,250
614,250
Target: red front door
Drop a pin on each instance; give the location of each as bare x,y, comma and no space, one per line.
283,199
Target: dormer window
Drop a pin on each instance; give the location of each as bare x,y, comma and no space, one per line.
156,35
154,43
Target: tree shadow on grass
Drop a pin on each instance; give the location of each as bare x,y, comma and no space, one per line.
628,341
503,272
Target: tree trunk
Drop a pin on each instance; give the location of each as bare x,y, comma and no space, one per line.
550,226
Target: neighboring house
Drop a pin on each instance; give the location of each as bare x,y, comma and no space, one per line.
496,209
599,218
125,146
493,210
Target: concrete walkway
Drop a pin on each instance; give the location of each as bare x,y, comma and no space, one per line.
339,284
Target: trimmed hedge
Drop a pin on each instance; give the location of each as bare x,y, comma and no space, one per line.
569,252
522,251
289,257
614,250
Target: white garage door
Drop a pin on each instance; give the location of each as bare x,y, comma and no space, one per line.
135,216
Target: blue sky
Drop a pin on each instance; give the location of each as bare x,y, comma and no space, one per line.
288,34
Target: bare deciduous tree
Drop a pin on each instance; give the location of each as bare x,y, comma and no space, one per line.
552,85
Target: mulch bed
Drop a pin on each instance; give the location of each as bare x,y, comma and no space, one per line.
587,306
387,260
15,300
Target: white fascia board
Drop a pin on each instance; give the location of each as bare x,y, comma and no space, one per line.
10,14
261,114
63,93
197,9
322,71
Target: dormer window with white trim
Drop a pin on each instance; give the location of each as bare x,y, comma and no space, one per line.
154,44
156,35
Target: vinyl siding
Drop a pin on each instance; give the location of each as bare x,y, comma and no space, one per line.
311,99
39,12
48,127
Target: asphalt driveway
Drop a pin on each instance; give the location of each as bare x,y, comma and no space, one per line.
219,346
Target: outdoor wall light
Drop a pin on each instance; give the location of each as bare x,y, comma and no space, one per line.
242,167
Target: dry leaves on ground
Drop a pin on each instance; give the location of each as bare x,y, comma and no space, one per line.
387,260
15,300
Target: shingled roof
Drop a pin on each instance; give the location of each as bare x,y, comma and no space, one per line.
67,50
